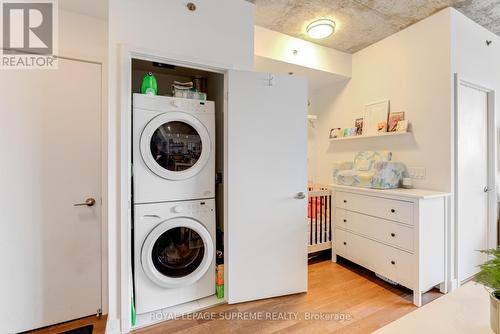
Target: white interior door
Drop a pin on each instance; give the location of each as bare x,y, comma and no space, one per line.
266,234
50,141
474,184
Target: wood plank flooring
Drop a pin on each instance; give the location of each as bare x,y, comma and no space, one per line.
99,326
342,289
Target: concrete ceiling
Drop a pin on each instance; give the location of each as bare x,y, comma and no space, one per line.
361,23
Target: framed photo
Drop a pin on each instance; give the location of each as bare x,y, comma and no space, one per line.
382,127
394,119
402,126
375,119
335,133
358,123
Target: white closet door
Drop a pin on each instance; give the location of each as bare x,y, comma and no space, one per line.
472,178
50,143
266,180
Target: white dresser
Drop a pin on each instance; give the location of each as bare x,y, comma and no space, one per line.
399,234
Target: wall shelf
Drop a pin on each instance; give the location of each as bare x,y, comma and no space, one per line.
383,134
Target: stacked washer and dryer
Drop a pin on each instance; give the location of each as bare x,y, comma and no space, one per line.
174,201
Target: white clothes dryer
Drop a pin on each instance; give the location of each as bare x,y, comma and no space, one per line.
173,149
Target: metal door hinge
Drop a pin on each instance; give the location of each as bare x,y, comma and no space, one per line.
98,313
300,195
219,178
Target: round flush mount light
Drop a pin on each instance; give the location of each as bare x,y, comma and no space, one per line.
320,28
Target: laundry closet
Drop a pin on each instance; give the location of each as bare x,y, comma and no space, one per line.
214,191
177,186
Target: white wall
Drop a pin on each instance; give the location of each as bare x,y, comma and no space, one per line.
472,58
218,35
412,69
82,37
278,46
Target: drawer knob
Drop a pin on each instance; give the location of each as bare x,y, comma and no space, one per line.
345,201
393,211
345,243
393,262
393,235
345,220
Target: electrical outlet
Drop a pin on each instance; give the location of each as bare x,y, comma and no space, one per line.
417,173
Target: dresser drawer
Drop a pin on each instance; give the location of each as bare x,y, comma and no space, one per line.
376,228
387,261
395,210
340,241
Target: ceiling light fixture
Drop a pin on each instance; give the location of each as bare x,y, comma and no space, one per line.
321,28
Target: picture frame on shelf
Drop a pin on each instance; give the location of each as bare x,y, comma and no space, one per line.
394,119
335,133
402,126
382,127
375,118
358,124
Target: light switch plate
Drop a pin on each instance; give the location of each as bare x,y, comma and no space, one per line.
417,173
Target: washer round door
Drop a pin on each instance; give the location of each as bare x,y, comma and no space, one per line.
175,145
177,252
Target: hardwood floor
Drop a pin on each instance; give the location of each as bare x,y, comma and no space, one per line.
344,289
99,326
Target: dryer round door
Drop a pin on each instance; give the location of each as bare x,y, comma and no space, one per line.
175,145
177,252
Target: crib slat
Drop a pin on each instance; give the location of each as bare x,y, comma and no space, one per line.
320,218
330,218
326,221
316,220
320,213
310,221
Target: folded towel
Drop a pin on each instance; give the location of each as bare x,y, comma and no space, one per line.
182,85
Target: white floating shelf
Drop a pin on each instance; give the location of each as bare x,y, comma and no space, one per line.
383,134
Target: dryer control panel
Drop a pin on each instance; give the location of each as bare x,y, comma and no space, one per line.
192,105
168,103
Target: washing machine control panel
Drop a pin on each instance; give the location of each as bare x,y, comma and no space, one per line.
191,207
193,105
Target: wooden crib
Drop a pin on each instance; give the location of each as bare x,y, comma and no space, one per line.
319,218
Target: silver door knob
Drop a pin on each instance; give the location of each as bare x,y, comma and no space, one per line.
300,195
88,202
486,189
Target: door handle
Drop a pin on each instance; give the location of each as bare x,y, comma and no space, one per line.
486,189
88,202
300,195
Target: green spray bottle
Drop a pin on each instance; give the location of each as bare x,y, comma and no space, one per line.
149,85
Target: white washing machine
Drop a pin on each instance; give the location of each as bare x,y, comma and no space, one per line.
174,253
173,149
